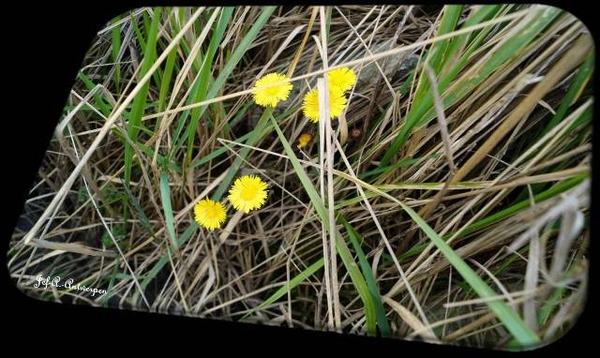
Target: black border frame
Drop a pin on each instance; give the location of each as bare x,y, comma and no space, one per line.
53,39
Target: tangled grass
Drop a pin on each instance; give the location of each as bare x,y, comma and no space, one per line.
449,202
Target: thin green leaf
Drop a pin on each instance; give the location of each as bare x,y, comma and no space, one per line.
511,320
165,195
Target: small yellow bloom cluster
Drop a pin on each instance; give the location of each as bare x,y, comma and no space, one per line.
304,139
247,193
339,81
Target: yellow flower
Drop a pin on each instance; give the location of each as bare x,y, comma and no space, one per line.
304,139
270,96
342,78
337,103
248,192
210,214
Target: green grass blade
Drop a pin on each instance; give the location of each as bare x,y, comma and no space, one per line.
342,249
424,111
355,239
582,77
99,102
134,202
205,73
166,81
226,71
437,56
505,213
294,282
165,196
217,153
116,48
312,193
160,264
254,137
511,320
139,103
359,283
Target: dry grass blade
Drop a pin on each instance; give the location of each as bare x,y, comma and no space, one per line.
441,118
410,319
572,58
325,139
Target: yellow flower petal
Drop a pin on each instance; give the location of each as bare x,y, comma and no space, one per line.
210,214
270,96
248,192
337,104
341,78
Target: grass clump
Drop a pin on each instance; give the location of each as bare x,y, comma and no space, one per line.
404,171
